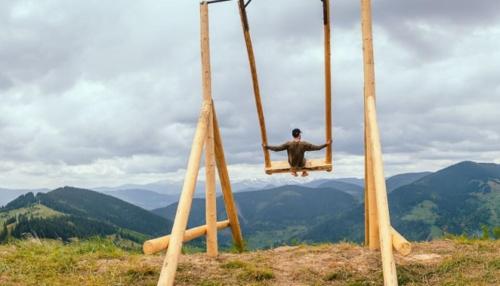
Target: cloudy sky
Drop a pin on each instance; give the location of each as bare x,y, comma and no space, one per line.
94,93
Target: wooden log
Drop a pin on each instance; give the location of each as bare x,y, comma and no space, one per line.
400,243
231,210
328,79
156,245
167,275
384,224
369,91
206,70
210,196
374,145
370,202
255,80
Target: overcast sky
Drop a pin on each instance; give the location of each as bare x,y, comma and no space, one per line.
97,93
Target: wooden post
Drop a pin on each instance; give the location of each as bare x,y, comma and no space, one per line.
384,224
370,202
155,245
210,198
167,275
328,79
373,146
255,80
231,210
371,227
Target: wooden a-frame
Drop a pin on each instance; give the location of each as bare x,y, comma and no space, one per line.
207,135
379,234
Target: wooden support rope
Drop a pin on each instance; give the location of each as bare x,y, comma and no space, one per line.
255,80
328,80
153,246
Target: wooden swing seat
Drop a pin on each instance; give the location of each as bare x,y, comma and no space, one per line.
311,165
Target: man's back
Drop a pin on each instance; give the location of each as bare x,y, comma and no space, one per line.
296,150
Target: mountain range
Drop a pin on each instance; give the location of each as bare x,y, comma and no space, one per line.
459,199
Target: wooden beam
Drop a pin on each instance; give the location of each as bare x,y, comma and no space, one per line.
255,80
371,227
231,210
156,245
328,79
374,146
169,268
210,196
168,271
370,202
400,243
384,224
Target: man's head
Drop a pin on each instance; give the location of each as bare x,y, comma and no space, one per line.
296,133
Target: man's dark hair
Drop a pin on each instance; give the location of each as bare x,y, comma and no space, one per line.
296,132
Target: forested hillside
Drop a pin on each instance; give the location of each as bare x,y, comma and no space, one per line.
70,212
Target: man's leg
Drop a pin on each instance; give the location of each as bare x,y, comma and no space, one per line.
304,172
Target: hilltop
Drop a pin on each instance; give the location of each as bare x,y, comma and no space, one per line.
68,213
98,262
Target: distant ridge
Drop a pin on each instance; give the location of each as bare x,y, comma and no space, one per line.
80,211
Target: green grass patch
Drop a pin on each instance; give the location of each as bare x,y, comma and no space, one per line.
341,274
248,271
235,264
252,273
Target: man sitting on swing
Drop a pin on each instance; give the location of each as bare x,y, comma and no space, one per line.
296,149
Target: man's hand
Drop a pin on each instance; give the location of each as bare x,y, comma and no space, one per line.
264,146
329,142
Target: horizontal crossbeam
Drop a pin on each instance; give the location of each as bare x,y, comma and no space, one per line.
161,243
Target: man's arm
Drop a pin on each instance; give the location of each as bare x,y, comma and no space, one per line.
312,147
281,147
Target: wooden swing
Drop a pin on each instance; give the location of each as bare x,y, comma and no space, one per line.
379,233
273,167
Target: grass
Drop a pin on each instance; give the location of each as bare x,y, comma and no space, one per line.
92,262
455,261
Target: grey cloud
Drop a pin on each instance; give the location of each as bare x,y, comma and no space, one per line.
93,81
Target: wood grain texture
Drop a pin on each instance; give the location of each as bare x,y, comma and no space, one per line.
156,245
